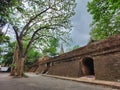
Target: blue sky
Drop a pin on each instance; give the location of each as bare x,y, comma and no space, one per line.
81,24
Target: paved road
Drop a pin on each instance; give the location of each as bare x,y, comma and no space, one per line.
44,83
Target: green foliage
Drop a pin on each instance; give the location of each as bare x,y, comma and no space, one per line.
73,48
32,56
8,58
106,18
4,43
6,7
35,22
7,51
4,39
51,49
48,18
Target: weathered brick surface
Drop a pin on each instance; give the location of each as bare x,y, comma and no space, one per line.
33,69
41,69
97,48
70,69
105,54
107,67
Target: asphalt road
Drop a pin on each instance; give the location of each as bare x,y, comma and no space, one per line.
44,83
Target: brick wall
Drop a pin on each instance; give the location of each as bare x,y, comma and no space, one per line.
70,69
107,67
40,69
106,56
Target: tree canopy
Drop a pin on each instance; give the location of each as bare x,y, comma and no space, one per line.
106,18
36,22
5,10
35,19
6,7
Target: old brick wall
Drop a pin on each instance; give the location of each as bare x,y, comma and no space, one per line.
40,69
33,69
107,67
97,48
105,54
69,69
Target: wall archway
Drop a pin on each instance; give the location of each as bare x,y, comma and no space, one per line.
88,66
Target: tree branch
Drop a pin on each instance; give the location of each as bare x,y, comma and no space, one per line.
32,38
16,33
33,18
44,20
18,41
44,36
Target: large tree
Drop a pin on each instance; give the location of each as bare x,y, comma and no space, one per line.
106,18
37,21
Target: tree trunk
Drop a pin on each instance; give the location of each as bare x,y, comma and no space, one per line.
17,68
14,63
19,56
20,67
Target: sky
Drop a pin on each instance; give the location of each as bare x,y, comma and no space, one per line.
81,24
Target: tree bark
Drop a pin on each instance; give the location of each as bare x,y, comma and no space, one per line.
14,63
17,68
20,67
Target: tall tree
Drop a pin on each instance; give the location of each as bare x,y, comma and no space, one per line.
106,18
35,22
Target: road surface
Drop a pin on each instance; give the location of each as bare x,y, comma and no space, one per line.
38,82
